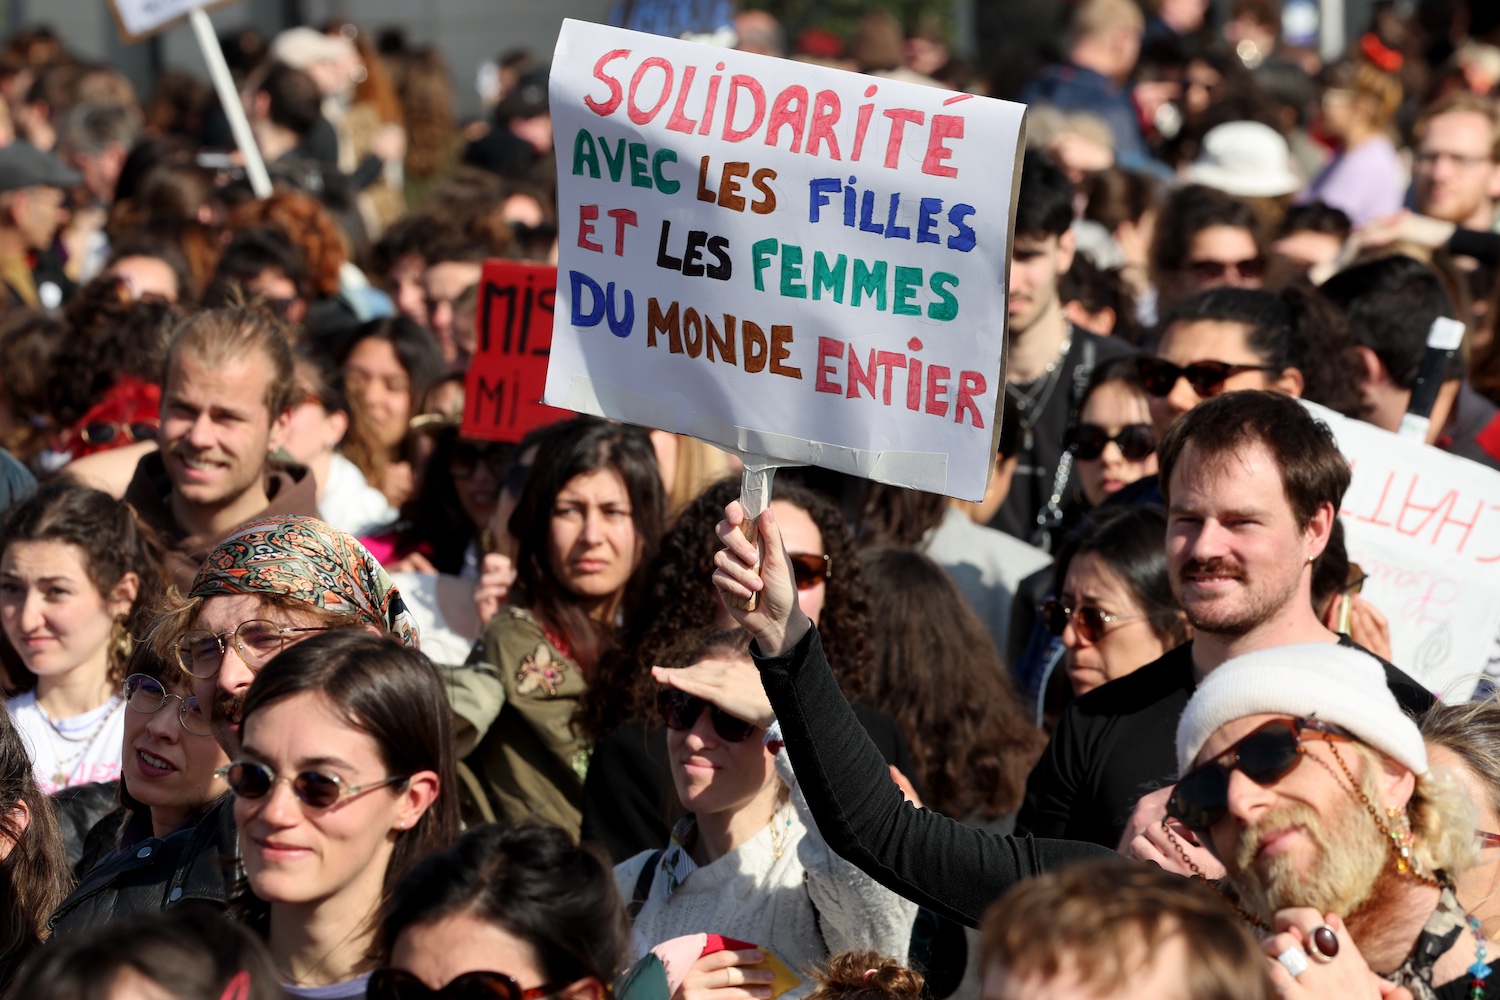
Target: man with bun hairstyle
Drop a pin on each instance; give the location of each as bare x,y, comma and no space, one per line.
1301,773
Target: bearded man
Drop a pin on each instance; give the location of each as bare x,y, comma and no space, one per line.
1303,776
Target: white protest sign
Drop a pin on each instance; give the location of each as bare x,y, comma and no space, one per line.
138,18
1425,526
782,259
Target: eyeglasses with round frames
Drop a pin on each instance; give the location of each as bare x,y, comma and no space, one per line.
201,652
249,780
147,695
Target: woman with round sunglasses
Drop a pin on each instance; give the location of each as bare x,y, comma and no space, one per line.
629,801
76,572
1113,608
747,861
505,913
345,780
586,524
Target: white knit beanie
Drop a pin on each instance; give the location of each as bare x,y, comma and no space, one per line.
1338,685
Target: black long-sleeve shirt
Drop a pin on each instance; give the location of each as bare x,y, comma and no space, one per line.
954,870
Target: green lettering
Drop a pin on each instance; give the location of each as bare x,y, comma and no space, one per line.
615,163
585,155
791,272
831,279
638,175
947,309
908,280
869,281
760,259
664,184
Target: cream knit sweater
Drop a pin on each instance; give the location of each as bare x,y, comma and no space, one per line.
802,907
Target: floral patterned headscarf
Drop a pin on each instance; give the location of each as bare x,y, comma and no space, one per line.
309,560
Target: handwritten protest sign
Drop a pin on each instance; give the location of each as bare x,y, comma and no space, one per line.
782,259
503,388
1425,527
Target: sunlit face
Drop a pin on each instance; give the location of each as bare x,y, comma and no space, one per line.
714,775
440,952
1236,555
445,282
1161,976
224,692
404,280
1126,645
146,276
1478,886
1455,176
1305,839
800,535
1203,340
216,428
53,614
376,375
1035,267
295,854
1113,406
1306,249
592,547
166,767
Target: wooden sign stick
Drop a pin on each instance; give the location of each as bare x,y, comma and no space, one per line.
755,497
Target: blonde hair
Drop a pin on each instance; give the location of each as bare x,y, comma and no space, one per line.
217,337
1095,18
1441,815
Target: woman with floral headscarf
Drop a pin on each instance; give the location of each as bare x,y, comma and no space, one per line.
272,583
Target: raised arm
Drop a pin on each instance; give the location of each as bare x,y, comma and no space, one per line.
931,859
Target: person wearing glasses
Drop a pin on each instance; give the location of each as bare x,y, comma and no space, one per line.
270,585
1308,781
629,803
747,861
168,781
505,913
77,575
1204,238
1456,169
586,524
343,782
1464,740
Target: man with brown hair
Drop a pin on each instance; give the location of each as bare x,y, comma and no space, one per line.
1456,172
225,406
1109,928
1253,483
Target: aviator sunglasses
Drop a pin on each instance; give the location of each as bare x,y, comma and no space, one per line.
1088,622
1088,441
398,984
1206,377
249,780
680,711
1270,753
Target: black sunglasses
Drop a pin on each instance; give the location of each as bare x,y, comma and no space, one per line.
467,456
1251,269
1267,755
249,780
680,711
398,984
1087,621
1206,377
101,432
1088,441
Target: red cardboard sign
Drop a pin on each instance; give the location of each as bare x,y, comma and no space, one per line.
503,388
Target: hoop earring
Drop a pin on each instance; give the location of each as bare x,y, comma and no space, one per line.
121,642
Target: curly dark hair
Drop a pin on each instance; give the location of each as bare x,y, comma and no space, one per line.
938,674
682,599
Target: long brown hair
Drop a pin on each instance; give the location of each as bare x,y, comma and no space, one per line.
579,447
938,674
34,876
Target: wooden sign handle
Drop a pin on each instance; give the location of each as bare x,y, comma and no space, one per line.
750,530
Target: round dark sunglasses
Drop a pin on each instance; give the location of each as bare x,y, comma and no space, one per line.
680,711
1267,755
101,432
1088,622
398,984
1088,441
1206,377
249,780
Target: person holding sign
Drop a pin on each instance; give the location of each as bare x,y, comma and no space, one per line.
586,523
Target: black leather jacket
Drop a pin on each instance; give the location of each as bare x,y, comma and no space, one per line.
202,863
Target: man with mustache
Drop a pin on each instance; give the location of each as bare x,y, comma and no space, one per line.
273,582
226,404
1302,774
1253,483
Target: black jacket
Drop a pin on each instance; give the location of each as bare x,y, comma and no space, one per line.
954,870
79,808
1118,742
201,863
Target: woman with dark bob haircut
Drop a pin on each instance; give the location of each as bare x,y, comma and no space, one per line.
505,912
189,952
587,524
358,731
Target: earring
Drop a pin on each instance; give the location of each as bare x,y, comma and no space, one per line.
1402,839
120,641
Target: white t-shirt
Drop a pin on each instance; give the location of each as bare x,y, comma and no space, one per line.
74,751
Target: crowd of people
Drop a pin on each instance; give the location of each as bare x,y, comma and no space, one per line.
308,694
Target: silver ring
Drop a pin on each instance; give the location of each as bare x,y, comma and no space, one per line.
1293,960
